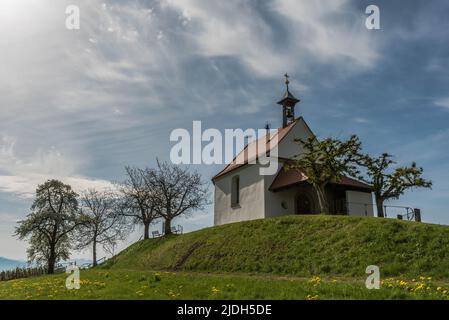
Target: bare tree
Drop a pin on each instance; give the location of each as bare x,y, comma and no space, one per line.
176,191
102,223
137,200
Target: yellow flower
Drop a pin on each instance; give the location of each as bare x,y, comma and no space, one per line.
215,290
315,280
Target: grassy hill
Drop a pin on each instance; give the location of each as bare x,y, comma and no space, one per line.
300,246
292,257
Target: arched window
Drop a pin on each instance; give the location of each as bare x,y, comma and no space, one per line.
235,191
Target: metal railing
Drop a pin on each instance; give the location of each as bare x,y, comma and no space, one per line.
399,212
88,265
402,213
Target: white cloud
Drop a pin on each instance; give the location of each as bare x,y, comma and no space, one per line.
442,102
21,176
60,90
361,120
321,31
7,218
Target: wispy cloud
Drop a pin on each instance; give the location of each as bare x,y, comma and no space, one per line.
21,176
442,102
321,31
78,105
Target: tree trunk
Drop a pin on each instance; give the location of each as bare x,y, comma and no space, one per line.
380,207
94,254
146,232
167,230
322,200
51,261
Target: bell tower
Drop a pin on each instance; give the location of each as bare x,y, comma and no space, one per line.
288,103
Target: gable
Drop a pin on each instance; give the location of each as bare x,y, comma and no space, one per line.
287,147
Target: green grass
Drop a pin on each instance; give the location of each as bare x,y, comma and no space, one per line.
300,246
276,258
122,284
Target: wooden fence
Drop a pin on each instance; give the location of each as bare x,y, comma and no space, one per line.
20,273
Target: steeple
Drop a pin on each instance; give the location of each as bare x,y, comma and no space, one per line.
288,103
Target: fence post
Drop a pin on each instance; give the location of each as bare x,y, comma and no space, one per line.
417,214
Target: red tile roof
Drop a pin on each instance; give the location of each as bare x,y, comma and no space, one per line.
287,178
243,156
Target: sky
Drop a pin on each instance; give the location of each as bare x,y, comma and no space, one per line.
79,105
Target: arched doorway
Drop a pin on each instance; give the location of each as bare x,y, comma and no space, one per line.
304,204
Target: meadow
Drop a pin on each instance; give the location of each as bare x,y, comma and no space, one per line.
137,285
292,257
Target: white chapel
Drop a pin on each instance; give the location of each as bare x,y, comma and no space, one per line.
242,193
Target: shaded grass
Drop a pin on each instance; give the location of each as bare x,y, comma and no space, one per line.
301,246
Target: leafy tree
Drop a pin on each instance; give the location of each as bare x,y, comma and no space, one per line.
137,200
176,191
102,223
326,161
53,218
388,183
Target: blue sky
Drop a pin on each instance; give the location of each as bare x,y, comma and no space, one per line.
80,105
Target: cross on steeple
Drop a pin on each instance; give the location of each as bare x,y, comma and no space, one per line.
288,103
287,82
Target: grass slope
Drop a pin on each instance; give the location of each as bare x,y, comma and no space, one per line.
279,258
139,285
300,246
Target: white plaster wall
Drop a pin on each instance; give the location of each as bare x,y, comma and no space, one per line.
360,203
288,148
256,201
252,204
273,203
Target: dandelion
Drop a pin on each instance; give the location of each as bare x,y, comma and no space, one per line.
315,281
215,290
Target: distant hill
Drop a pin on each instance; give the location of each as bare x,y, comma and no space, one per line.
299,245
8,264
